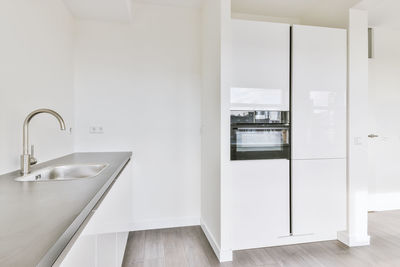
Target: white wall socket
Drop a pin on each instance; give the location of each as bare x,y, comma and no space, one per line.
358,141
96,130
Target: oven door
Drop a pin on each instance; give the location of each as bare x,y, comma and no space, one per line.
250,142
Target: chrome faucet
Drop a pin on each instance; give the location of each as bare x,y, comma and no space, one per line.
28,159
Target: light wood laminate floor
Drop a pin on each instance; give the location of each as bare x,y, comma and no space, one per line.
188,247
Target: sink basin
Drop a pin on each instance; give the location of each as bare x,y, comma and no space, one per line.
63,172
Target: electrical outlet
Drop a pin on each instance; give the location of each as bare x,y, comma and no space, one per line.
358,141
96,130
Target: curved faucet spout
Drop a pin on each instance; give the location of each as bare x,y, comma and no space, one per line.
29,118
25,153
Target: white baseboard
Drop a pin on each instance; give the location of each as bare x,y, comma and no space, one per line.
383,201
164,223
223,256
353,241
286,240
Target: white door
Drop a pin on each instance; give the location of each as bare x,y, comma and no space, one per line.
319,70
260,212
384,125
260,65
319,196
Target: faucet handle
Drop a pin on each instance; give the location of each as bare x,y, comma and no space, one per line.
33,160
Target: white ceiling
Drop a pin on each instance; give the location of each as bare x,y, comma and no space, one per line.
117,10
332,13
382,13
181,3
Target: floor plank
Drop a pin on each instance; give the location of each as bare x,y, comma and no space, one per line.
188,247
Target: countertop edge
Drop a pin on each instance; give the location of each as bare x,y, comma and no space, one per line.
55,251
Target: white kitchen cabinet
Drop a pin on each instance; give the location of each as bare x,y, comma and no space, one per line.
101,250
114,214
260,65
82,253
319,196
261,189
318,130
260,202
102,238
110,249
319,70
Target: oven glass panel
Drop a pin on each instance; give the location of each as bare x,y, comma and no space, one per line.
259,143
260,139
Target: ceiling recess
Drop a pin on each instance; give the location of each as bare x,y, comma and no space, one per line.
118,10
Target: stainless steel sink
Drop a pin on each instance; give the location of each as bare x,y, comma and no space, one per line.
64,172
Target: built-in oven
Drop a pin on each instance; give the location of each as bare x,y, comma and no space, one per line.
260,135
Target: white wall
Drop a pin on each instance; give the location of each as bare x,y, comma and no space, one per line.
211,123
384,110
216,189
36,72
226,177
357,125
141,83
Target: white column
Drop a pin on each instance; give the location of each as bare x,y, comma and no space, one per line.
226,179
357,171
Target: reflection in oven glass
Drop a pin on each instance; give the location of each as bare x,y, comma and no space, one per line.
260,140
260,134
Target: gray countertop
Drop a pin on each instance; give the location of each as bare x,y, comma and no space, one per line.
39,218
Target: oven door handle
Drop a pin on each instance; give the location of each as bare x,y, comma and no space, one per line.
260,128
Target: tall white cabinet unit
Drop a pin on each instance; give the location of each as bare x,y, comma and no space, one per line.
260,81
319,77
278,202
